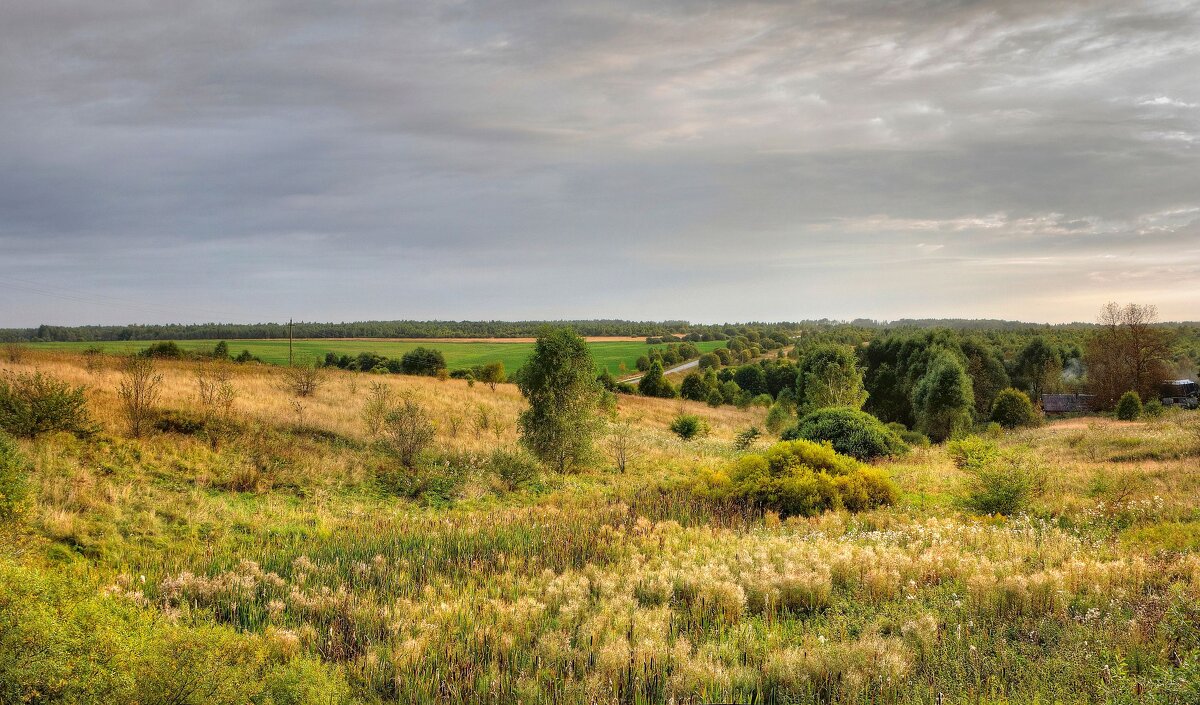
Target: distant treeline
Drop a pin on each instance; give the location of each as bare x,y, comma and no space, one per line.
374,329
1008,336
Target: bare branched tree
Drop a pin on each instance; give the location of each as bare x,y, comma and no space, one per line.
138,392
621,445
216,391
1129,351
378,405
302,379
408,430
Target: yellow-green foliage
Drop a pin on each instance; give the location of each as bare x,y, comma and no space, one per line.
266,565
64,640
13,479
800,478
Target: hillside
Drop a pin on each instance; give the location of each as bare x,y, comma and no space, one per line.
279,556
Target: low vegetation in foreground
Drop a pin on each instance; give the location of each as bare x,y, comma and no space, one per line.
210,534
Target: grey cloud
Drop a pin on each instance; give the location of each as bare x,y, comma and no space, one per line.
711,160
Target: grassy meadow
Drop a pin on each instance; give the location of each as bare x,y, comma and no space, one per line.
610,355
270,559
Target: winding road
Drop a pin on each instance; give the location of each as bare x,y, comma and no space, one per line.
670,370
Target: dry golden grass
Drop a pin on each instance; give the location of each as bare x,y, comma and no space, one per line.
579,591
337,405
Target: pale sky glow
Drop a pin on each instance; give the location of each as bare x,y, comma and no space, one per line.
713,161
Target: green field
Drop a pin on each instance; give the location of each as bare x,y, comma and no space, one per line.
464,355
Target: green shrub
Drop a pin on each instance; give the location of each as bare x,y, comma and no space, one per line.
689,426
778,418
746,438
180,422
32,404
432,483
1153,409
514,468
167,350
972,452
850,432
1129,408
14,479
1004,484
407,430
1013,409
798,478
422,361
916,439
63,641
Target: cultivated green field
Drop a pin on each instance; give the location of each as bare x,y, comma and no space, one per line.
459,355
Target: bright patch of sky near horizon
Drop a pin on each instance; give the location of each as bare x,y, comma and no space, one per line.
336,160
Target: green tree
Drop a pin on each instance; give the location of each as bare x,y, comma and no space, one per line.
422,361
694,388
559,383
943,398
654,384
751,378
1129,408
988,376
492,374
829,376
1038,367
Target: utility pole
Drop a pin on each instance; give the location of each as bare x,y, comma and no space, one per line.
290,361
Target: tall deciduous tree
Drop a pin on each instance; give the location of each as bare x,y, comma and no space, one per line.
1038,368
988,376
829,376
564,398
1127,352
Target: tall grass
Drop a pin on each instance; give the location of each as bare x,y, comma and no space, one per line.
277,556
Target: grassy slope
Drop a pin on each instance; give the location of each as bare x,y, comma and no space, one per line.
584,589
608,355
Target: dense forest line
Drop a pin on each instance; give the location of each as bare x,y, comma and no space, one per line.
860,330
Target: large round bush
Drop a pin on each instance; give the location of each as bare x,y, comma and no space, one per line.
1012,409
799,478
850,432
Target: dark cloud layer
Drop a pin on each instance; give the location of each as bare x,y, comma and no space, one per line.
257,160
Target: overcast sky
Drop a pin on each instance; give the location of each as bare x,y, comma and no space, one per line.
247,160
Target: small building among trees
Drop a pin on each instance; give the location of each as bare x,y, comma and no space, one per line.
1067,403
1180,392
